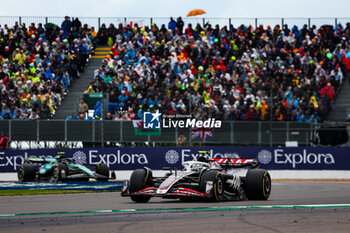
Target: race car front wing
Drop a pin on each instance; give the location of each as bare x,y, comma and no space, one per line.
171,193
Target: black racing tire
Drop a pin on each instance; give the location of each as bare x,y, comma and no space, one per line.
257,184
60,172
138,181
217,192
102,169
26,173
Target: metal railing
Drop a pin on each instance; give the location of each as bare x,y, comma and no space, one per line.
230,133
148,21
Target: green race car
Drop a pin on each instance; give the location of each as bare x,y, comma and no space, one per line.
61,168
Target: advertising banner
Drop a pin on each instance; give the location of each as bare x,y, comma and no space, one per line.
126,158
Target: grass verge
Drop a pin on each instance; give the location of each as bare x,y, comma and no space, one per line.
25,192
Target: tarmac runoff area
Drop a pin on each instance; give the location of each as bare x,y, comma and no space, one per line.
292,207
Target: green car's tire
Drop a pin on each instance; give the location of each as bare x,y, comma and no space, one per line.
103,170
60,172
26,172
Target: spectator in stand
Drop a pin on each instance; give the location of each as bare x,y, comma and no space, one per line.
123,98
131,115
109,116
83,107
72,117
180,25
111,32
67,24
102,35
113,102
172,24
92,35
181,140
76,24
98,110
4,141
93,32
85,117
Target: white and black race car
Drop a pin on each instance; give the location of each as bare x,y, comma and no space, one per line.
204,178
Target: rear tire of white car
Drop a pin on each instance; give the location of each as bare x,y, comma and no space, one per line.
26,172
140,180
217,192
257,184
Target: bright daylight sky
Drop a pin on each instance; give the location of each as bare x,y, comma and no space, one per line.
165,8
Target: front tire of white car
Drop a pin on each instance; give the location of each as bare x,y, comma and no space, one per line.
217,191
140,179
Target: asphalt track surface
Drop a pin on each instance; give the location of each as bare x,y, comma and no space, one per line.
109,212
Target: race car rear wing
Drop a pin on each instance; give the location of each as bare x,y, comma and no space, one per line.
237,163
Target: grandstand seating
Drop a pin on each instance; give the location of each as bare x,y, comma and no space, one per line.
244,73
38,65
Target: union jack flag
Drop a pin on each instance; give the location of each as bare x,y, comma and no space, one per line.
202,133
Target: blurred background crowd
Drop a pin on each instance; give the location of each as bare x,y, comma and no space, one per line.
38,64
276,72
244,73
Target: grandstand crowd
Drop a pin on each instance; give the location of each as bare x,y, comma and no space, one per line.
244,73
223,73
38,64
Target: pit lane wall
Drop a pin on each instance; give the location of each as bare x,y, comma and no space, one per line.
125,158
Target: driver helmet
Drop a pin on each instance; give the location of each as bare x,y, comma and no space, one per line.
204,158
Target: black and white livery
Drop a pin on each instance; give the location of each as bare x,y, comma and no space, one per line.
204,178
